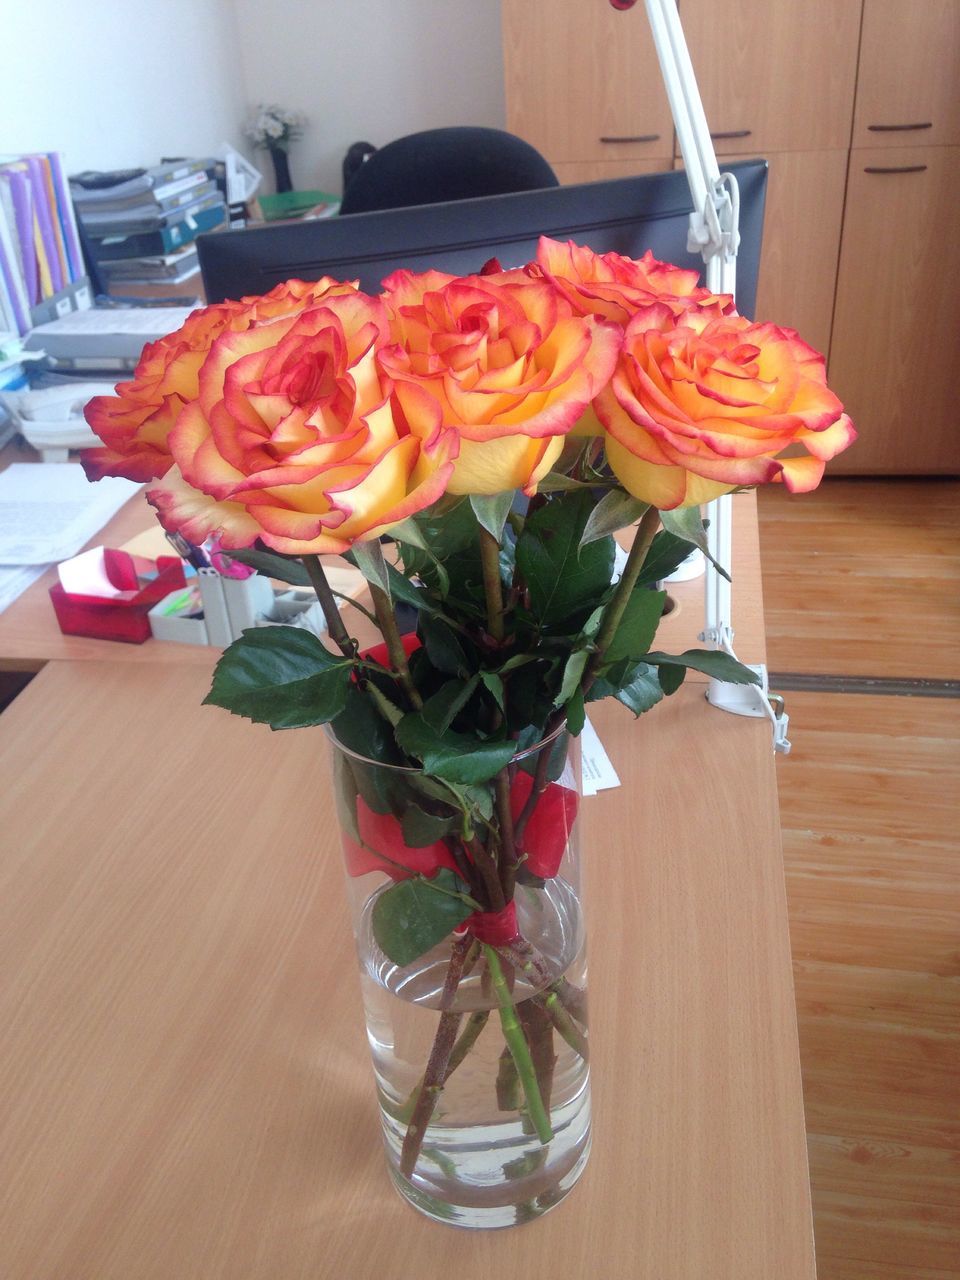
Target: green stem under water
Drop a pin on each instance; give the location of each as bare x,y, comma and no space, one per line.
517,1042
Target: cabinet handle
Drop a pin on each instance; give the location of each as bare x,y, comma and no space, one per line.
899,128
638,137
903,168
731,133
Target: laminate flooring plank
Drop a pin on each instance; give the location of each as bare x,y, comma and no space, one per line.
863,578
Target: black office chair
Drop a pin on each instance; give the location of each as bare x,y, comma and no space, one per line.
446,164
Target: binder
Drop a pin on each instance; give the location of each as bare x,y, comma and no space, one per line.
17,185
162,240
68,218
45,215
11,279
45,171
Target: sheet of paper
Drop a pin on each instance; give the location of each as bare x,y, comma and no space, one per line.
14,580
597,771
49,510
86,575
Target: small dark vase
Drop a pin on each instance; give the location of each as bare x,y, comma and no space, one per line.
281,169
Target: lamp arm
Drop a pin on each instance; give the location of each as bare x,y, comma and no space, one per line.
714,232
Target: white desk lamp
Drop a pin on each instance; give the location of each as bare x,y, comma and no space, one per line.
714,233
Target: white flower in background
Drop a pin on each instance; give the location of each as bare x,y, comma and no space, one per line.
275,126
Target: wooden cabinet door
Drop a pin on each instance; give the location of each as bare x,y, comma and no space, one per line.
907,92
583,82
775,76
895,351
801,242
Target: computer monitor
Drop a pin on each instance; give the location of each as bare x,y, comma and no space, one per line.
625,215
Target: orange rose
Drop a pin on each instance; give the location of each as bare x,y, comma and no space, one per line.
701,406
135,423
614,287
499,358
291,438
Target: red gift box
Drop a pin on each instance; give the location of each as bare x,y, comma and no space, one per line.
141,582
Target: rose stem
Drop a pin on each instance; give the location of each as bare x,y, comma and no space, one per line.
649,523
508,848
539,1032
523,956
493,592
488,870
387,623
513,1034
335,625
564,1023
465,1041
492,586
611,620
508,1082
436,1071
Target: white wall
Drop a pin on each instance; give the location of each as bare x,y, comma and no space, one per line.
370,70
116,83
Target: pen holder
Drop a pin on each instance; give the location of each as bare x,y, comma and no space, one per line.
179,620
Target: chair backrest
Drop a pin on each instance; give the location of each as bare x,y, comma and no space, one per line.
446,164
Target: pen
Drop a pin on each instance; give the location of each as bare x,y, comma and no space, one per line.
187,551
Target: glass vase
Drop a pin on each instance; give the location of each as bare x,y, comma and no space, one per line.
477,1025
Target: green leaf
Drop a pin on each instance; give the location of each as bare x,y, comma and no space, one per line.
667,552
273,565
685,522
518,660
576,713
401,588
368,557
712,662
563,578
571,676
411,917
361,728
554,482
280,676
495,686
558,752
443,648
409,531
642,691
441,710
454,757
638,625
421,829
614,511
671,678
491,510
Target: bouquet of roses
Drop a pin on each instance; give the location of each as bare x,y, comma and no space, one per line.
471,445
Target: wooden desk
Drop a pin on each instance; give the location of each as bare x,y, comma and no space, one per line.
29,635
185,1082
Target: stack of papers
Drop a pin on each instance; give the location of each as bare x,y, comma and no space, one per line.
47,512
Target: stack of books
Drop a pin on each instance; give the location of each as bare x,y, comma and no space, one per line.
41,263
142,224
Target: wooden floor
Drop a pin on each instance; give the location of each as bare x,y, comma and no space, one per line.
863,578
